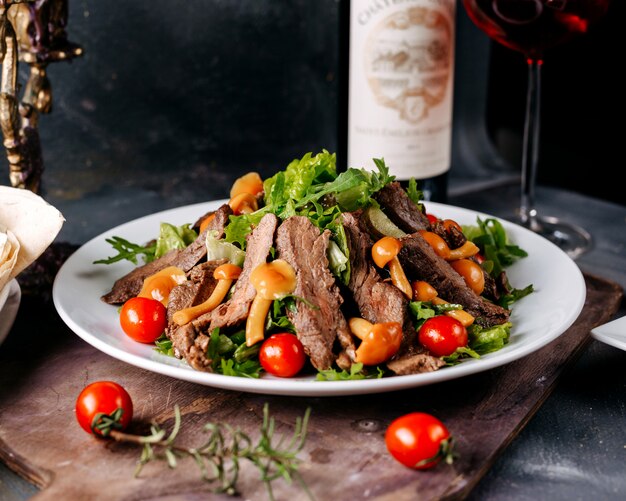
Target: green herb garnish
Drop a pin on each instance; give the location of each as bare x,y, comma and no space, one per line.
128,251
231,357
356,372
164,346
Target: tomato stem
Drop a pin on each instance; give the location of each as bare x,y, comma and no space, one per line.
445,453
103,423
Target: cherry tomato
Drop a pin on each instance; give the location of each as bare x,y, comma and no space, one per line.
419,440
282,355
432,219
97,407
442,335
143,319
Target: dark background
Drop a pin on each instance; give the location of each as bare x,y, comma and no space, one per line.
583,104
170,93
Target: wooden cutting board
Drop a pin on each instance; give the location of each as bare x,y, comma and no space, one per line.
43,367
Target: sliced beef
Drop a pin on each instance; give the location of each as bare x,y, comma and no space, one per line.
235,311
420,262
402,211
414,361
318,321
197,289
130,284
380,301
377,300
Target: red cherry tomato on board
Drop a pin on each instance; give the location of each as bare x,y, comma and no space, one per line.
102,406
143,319
419,440
282,355
442,335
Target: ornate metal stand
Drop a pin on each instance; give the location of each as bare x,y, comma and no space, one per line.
31,31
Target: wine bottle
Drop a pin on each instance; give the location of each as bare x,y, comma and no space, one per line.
399,89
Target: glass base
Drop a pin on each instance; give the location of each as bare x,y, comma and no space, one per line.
570,238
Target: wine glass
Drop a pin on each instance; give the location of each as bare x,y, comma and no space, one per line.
531,27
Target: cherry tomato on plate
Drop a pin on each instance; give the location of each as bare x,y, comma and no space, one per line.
143,319
102,406
419,440
442,335
282,355
432,219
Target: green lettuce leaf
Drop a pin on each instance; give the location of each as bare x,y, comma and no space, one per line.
231,357
221,249
356,372
173,237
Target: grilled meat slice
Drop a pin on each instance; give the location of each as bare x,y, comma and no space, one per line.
380,301
402,211
421,263
130,284
235,311
318,327
414,361
195,290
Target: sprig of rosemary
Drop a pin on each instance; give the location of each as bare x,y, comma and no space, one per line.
219,457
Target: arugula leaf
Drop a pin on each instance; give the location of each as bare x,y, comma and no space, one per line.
460,354
422,311
515,295
414,194
231,357
490,236
356,372
163,345
481,341
129,251
277,316
354,188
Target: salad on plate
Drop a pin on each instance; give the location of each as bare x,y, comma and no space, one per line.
345,275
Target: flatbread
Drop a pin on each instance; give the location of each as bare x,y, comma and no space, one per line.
29,225
9,250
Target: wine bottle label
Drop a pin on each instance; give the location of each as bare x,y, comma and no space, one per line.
400,85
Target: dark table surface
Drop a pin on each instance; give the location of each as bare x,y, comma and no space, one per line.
575,445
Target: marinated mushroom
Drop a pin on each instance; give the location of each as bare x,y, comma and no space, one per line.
159,285
379,342
385,253
225,275
272,281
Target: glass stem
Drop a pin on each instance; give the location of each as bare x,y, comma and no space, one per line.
530,153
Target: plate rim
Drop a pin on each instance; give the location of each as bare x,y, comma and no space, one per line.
295,386
611,339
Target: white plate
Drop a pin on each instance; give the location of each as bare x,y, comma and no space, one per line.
10,297
538,318
612,333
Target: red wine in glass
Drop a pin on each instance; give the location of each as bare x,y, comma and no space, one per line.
532,27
